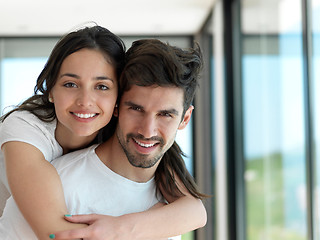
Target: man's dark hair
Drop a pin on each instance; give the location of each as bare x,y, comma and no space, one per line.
150,62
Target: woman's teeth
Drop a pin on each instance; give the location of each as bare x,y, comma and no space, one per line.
86,115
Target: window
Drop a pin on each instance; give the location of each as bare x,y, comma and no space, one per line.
316,107
21,61
273,120
18,78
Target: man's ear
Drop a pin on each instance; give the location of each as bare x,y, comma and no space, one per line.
186,118
116,111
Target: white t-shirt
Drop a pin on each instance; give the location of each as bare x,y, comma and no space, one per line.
24,126
89,187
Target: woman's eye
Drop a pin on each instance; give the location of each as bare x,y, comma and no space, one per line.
102,87
70,85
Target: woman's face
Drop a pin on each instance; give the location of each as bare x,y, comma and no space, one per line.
85,93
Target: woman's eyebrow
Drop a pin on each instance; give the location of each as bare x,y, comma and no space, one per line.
72,75
104,78
69,75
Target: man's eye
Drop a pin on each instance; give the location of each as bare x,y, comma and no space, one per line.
102,87
166,115
70,85
135,108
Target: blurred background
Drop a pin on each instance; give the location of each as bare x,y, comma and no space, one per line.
254,140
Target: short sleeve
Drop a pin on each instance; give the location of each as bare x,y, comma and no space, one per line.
25,127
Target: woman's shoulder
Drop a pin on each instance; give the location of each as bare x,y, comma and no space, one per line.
20,114
23,122
78,157
24,126
24,116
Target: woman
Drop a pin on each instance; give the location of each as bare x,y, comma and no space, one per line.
78,91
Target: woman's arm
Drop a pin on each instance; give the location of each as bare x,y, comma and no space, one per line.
36,187
181,215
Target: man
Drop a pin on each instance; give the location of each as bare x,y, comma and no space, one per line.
156,88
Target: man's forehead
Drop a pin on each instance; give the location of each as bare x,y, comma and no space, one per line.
162,97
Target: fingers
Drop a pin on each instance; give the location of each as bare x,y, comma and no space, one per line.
87,218
71,234
90,232
76,233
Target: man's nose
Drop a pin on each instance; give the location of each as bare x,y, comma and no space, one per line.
148,127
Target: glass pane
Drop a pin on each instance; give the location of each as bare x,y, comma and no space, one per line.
185,141
18,78
316,105
274,137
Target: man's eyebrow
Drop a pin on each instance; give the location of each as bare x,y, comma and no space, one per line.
72,75
170,111
166,111
132,104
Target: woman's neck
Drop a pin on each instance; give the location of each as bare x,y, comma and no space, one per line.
70,142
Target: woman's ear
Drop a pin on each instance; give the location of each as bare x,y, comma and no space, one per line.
50,98
186,118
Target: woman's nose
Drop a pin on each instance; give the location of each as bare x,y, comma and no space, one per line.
85,98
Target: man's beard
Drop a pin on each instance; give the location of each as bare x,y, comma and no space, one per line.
140,160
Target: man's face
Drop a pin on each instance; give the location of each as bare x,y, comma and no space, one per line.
149,118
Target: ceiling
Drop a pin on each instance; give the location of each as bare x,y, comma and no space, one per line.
123,17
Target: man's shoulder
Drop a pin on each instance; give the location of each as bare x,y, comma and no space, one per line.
70,159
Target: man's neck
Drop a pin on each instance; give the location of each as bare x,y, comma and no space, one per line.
112,155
